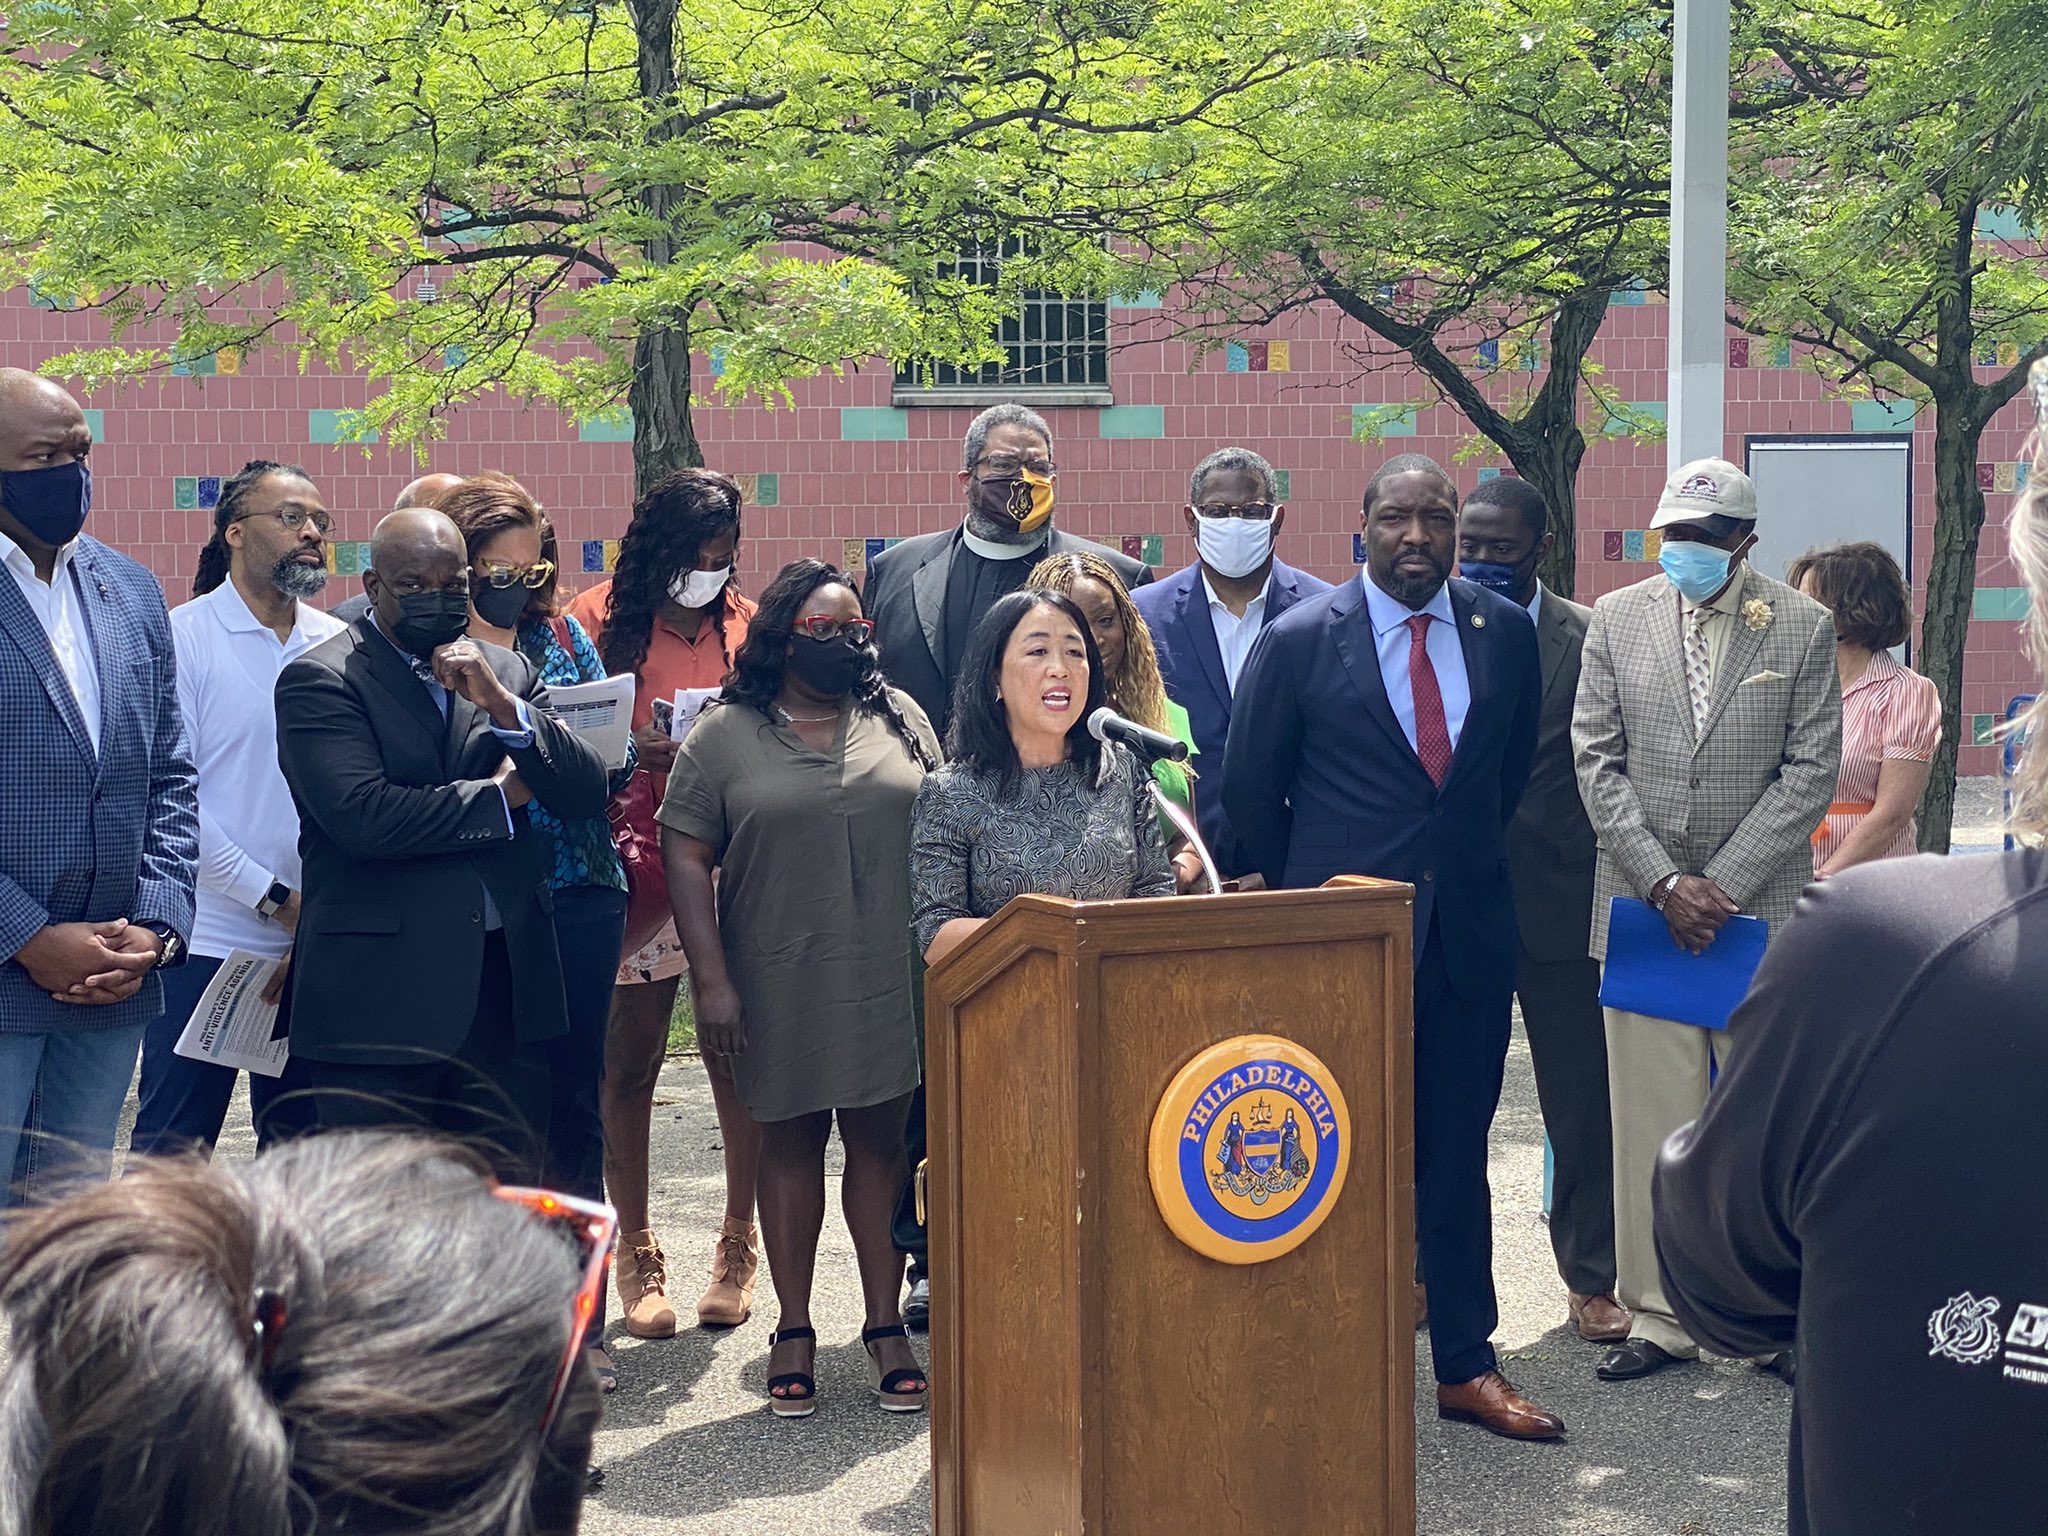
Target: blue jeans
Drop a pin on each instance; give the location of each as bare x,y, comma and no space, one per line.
61,1093
590,927
184,1102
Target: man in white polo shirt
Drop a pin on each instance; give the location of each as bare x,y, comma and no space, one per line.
246,620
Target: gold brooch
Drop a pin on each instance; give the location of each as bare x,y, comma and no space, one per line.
1756,613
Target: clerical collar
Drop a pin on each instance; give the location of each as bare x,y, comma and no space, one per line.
988,550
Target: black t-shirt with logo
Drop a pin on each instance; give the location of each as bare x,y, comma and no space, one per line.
1872,1175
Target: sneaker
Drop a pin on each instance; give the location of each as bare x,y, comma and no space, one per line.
729,1297
642,1277
917,1312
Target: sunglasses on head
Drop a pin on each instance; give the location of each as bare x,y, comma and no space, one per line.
587,1228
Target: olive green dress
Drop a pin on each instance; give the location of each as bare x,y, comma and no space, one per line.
813,853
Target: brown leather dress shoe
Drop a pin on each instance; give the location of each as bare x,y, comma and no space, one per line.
1491,1402
1599,1319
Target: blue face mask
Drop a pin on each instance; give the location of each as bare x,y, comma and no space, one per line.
1502,579
1697,570
52,504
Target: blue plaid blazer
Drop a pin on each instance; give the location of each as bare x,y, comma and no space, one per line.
85,837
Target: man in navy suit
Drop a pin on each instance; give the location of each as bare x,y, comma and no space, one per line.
1387,728
1204,618
99,840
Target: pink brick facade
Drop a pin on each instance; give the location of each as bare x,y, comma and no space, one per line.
844,465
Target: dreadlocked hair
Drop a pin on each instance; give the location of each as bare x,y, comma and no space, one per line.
757,672
234,491
1137,691
679,515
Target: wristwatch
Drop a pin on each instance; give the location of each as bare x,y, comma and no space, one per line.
274,899
1661,891
173,952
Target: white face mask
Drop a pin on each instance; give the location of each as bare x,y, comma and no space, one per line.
695,589
1233,546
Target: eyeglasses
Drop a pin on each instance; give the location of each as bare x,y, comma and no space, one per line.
533,577
1002,466
589,1228
823,627
1253,511
295,518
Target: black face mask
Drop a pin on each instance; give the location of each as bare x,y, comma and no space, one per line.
500,607
830,667
429,620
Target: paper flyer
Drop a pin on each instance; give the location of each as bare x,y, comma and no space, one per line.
231,1026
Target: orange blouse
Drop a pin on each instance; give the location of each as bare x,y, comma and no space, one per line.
673,662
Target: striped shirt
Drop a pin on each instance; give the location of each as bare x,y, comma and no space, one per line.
1889,713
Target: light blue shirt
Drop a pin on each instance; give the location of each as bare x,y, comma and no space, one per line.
1392,637
1536,605
512,739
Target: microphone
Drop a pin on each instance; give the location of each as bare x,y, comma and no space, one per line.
1150,745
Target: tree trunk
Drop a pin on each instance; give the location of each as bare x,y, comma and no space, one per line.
1951,592
1547,456
664,438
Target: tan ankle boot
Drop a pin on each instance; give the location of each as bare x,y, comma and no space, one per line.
734,1263
642,1275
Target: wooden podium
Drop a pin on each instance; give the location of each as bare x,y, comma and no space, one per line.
1092,1372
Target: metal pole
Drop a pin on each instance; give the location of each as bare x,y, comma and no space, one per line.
1696,419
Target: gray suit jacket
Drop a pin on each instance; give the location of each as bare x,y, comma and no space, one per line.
1736,804
1550,841
905,594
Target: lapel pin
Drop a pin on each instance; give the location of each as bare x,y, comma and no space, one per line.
1479,621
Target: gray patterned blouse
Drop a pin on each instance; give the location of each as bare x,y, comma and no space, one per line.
973,846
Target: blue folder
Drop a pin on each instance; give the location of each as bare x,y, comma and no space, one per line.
1648,973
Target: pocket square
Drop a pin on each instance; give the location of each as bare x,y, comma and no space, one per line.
1762,677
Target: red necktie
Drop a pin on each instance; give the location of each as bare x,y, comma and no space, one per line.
1432,736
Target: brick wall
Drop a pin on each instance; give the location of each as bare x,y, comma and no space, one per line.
843,467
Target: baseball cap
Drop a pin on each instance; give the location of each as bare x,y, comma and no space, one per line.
1706,488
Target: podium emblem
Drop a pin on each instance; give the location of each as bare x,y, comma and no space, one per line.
1249,1148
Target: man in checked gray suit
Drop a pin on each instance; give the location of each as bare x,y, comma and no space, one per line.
1707,734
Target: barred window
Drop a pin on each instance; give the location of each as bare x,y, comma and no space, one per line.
1056,348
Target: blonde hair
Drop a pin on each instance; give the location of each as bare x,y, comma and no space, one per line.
2027,541
1137,691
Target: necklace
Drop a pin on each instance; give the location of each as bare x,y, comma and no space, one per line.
789,719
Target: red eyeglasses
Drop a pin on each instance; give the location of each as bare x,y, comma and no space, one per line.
820,626
589,1227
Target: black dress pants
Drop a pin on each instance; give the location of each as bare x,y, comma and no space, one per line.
1461,1050
1568,1047
493,1094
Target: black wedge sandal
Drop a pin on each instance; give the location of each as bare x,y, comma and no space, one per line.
900,1391
798,1397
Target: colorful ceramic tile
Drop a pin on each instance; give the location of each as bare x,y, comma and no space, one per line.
328,555
853,556
1487,474
1155,550
1632,544
611,555
746,485
1133,545
1279,356
1738,351
1987,354
717,362
181,369
1258,353
2019,475
768,490
96,422
185,493
873,424
593,556
874,548
1987,477
1237,358
613,426
1131,421
348,559
453,357
209,491
230,361
1883,415
1144,298
1653,543
2008,354
1983,730
1611,545
2004,478
1376,421
338,427
1489,353
1781,355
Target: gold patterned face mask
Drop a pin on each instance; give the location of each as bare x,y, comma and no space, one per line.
1022,501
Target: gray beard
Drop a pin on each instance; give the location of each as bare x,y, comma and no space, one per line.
1000,533
296,580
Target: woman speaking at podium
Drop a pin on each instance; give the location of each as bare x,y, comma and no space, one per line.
1030,801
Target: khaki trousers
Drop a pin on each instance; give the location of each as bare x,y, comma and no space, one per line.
1657,1075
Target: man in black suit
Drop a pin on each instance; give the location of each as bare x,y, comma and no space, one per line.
1386,727
426,974
1503,537
927,593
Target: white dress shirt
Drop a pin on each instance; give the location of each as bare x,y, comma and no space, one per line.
228,664
1391,637
1536,605
1234,635
59,607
